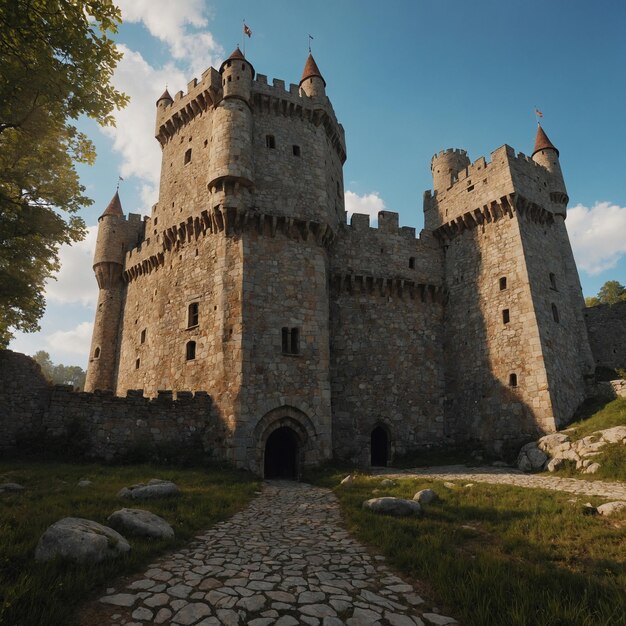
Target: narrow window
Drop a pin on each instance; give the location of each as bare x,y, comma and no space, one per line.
512,380
338,190
503,283
230,78
192,315
188,156
270,141
143,336
96,353
296,150
555,313
505,316
295,347
412,263
243,67
285,338
190,350
137,363
553,282
156,221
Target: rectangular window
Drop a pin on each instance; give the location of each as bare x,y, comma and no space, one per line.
553,282
505,316
190,350
193,315
503,283
296,150
188,156
270,142
143,336
290,340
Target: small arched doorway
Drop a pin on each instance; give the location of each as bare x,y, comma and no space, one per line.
281,454
379,447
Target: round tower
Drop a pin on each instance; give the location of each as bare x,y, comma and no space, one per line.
164,101
231,141
546,155
445,167
312,82
108,263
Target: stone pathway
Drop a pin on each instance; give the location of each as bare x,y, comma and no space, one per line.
510,476
284,560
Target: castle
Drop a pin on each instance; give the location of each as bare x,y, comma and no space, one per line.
317,338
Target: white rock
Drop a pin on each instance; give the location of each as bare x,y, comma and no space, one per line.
553,442
84,483
609,508
120,599
614,435
386,482
393,506
593,468
154,489
13,487
439,620
554,464
425,496
80,540
140,522
348,480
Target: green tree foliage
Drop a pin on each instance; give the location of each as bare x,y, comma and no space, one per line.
610,293
60,374
56,63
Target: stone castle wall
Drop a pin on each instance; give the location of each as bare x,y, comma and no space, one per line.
606,325
31,408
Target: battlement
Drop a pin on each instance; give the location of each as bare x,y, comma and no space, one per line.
448,151
388,222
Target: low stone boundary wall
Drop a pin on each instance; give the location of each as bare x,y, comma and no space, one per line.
108,426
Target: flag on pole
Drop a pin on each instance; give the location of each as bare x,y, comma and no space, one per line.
538,113
247,30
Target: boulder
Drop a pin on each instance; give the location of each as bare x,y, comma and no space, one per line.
531,458
449,485
386,482
610,508
614,435
397,507
154,489
140,522
84,483
80,540
425,496
348,480
12,487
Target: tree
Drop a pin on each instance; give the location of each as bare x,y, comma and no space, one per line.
60,374
610,293
56,63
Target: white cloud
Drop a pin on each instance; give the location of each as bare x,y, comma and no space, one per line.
370,204
76,282
598,235
75,341
181,25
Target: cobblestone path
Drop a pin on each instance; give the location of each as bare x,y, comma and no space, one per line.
510,476
284,560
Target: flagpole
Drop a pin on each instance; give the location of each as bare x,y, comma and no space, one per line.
243,36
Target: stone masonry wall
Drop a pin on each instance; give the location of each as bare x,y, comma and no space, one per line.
113,426
606,325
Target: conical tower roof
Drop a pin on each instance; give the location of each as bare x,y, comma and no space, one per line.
114,207
236,55
542,142
165,96
311,69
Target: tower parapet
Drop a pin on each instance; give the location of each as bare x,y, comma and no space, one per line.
446,166
312,83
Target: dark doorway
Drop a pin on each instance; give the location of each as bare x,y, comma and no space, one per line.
379,447
281,454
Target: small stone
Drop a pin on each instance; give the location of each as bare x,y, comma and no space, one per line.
154,489
84,483
311,597
387,482
286,620
348,480
425,496
393,506
449,485
593,468
141,523
610,508
162,616
317,610
554,464
253,604
11,487
158,599
398,620
142,614
120,599
180,591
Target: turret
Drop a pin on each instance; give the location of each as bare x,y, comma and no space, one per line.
114,236
237,75
312,83
446,166
546,155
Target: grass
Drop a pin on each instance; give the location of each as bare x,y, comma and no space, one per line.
499,555
32,594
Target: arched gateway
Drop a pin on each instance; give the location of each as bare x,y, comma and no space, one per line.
282,454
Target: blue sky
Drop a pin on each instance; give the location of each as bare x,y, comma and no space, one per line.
407,78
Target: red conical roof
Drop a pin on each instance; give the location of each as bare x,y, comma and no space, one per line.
542,142
237,54
311,69
114,207
165,96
